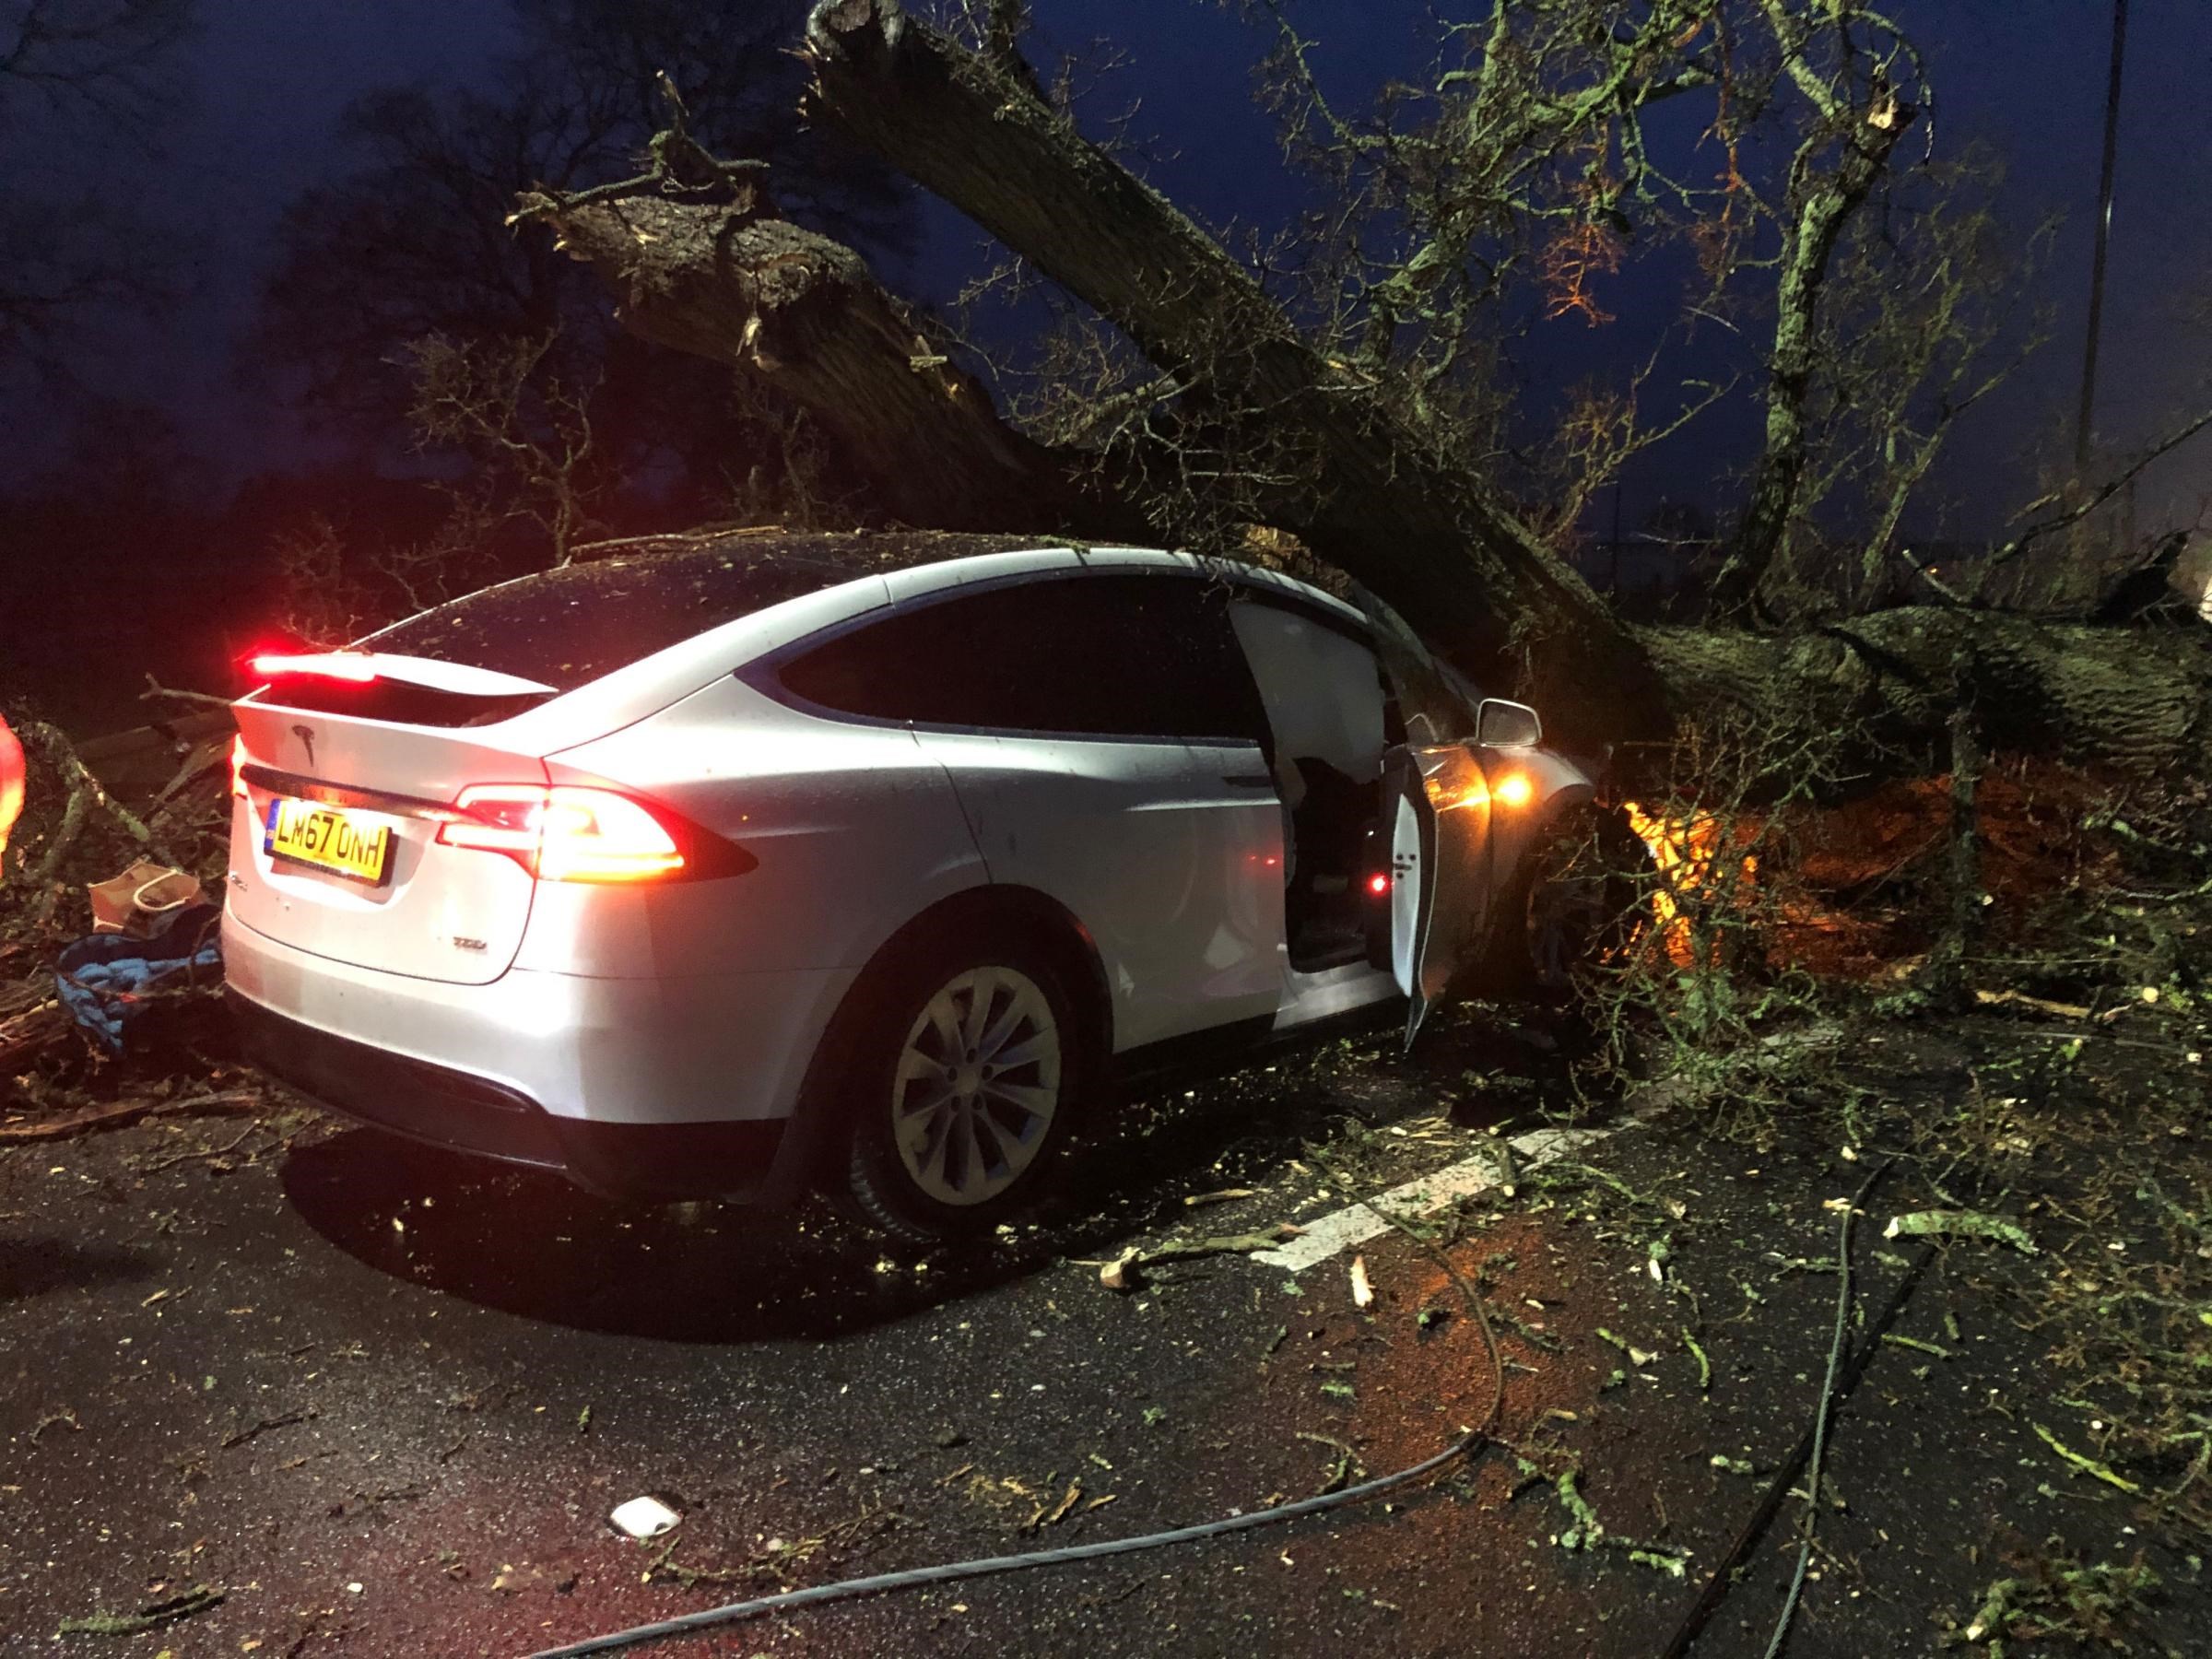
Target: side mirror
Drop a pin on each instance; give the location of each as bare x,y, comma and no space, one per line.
1502,725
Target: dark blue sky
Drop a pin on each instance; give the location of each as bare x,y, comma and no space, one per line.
266,83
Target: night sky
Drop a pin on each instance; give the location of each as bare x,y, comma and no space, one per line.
266,82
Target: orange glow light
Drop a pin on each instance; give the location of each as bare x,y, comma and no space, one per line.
1687,851
1513,790
237,766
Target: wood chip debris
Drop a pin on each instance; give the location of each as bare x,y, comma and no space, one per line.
1364,1292
2034,1005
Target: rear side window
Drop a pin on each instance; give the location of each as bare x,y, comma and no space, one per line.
1104,655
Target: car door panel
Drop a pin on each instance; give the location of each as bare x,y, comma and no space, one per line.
1440,885
1101,734
1446,867
1162,851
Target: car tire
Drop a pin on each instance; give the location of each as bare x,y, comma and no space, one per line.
1573,904
971,1071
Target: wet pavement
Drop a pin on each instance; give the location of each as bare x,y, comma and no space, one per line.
385,1400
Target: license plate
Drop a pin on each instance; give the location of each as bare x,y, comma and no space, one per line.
329,838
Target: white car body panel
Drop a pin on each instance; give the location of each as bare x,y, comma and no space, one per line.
1176,872
443,913
1554,781
680,1049
856,829
690,1001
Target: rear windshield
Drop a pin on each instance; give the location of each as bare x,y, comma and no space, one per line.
569,627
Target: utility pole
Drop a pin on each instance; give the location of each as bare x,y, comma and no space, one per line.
2104,236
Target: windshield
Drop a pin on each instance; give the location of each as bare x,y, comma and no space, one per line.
1436,702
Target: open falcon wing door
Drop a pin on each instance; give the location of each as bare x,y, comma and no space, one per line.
1437,807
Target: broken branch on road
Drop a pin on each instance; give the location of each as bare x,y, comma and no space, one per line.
198,1599
266,1424
1123,1272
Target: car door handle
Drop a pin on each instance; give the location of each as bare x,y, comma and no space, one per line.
1248,781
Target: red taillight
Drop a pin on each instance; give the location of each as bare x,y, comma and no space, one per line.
331,664
237,766
565,832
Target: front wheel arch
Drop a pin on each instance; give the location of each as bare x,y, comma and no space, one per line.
1509,967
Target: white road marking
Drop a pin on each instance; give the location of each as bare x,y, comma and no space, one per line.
1357,1223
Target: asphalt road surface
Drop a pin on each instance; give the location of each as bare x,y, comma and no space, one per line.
383,1402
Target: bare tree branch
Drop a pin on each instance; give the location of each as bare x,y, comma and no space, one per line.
2097,497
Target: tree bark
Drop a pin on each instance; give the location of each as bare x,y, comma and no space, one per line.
1353,477
1821,204
1771,504
804,315
1376,498
2133,698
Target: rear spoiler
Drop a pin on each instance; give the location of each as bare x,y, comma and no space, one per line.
394,689
364,667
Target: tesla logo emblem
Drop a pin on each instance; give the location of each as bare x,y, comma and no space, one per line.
306,734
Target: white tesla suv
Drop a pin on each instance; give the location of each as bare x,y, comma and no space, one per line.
722,873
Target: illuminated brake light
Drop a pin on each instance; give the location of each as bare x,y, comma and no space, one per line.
1512,790
566,832
331,664
237,766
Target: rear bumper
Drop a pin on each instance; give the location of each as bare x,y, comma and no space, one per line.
441,1107
675,1087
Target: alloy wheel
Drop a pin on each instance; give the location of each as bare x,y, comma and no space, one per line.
977,1085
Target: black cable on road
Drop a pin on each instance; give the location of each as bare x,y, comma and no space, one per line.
1840,1380
1827,1401
914,1577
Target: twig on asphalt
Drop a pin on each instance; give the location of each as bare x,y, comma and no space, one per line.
263,1427
1121,1274
225,1104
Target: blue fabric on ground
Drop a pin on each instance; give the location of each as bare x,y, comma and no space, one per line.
102,979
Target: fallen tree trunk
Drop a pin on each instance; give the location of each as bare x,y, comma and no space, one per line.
1346,469
1324,452
2135,699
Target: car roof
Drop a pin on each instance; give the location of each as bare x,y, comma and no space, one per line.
652,683
919,581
